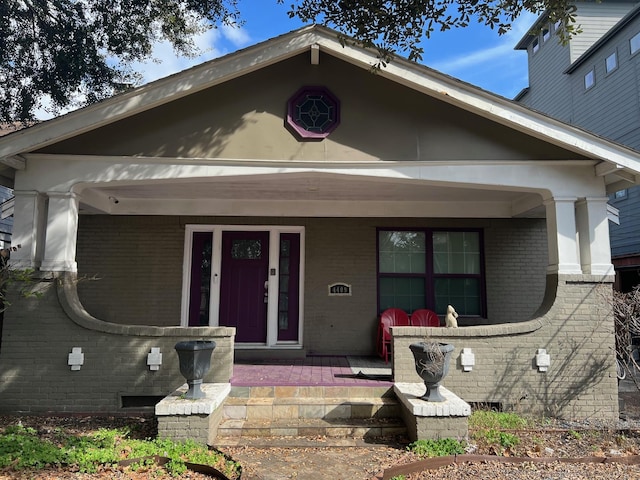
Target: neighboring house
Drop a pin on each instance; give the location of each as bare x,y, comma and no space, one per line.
592,82
223,202
6,193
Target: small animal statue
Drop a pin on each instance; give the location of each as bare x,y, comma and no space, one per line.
450,320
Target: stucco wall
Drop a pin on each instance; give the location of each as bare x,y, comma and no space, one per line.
138,261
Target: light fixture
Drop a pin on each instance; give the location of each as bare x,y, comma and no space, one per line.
543,360
154,358
467,359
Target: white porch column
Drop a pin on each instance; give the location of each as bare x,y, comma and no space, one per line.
593,236
29,215
562,236
62,231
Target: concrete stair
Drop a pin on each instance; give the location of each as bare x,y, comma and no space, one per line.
301,411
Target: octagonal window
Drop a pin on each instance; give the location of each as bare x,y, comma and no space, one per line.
313,112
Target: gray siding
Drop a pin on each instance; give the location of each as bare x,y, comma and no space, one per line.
611,108
595,19
624,237
545,69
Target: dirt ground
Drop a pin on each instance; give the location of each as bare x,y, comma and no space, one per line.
324,458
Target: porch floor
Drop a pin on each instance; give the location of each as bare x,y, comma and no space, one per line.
343,371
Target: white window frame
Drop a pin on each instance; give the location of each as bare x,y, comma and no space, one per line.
607,66
216,267
590,79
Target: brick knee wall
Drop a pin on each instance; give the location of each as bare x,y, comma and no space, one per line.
38,335
576,330
199,428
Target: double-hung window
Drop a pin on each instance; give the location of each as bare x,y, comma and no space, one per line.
431,268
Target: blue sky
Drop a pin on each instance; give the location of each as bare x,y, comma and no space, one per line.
475,54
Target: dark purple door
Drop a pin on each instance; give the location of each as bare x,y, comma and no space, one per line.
243,292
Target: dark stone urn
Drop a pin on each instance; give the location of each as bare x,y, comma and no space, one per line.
195,361
432,364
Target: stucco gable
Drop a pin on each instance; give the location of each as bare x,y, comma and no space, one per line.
245,118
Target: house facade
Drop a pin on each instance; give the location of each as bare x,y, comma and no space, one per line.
276,200
592,82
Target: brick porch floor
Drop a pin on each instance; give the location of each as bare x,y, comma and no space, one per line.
313,371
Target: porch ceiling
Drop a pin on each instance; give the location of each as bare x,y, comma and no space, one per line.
308,189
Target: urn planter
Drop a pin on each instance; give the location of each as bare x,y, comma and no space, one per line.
195,361
432,364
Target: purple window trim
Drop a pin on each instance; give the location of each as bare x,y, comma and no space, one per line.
304,97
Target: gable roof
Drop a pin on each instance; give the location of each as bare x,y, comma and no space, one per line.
314,39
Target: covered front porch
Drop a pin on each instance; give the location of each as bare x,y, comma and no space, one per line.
202,207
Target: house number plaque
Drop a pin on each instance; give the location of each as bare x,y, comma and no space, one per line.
339,290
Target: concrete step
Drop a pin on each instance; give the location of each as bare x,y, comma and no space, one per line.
231,431
302,411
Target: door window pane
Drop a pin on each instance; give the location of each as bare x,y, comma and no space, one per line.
246,249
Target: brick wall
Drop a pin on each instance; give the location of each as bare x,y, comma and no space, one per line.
39,333
139,264
576,329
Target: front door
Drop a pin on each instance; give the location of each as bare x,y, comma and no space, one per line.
244,284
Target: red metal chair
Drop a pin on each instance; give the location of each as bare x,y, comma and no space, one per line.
424,318
391,317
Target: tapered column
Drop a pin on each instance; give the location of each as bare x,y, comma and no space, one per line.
29,219
562,236
62,231
593,236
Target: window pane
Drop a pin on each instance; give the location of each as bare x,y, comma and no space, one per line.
405,293
611,63
589,80
401,252
456,252
462,293
635,43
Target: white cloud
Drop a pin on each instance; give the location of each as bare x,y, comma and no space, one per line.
237,35
166,62
502,52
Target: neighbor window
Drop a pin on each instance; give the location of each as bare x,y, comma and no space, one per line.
431,269
589,79
545,34
621,193
635,43
611,62
535,45
557,26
